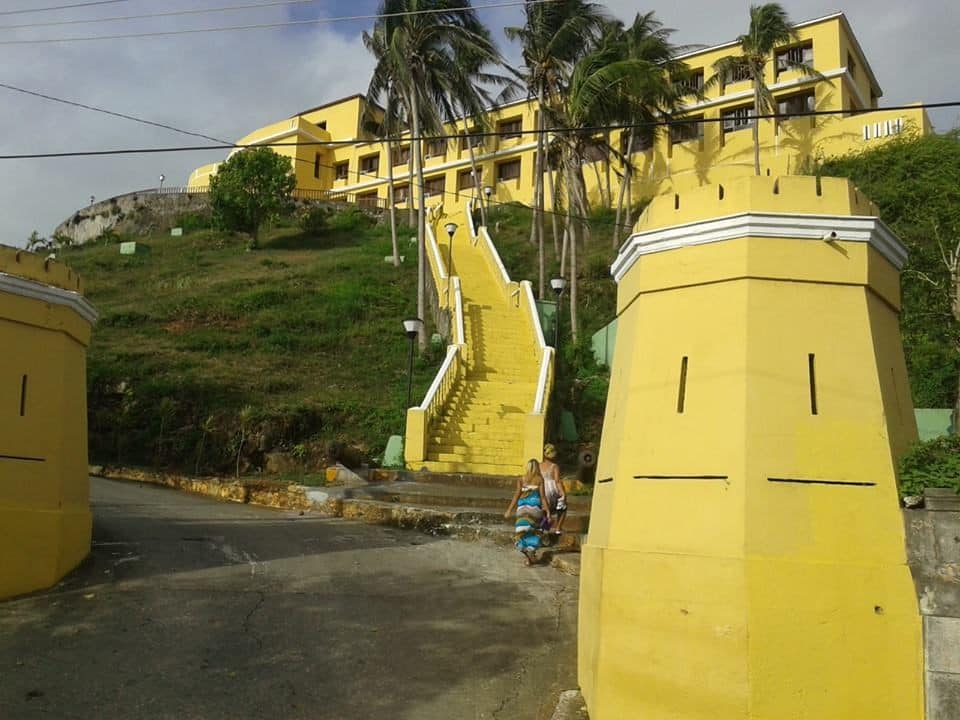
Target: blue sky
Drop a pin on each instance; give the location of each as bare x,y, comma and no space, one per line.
226,84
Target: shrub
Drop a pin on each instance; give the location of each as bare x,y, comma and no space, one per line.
351,218
315,220
191,221
935,463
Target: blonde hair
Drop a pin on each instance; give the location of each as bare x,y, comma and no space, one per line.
549,451
532,471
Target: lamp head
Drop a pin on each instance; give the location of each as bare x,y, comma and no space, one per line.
558,285
488,191
451,228
411,327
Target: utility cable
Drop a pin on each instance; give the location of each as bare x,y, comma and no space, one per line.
288,23
62,7
173,13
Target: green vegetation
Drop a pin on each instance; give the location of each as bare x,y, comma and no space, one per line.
935,463
249,189
208,357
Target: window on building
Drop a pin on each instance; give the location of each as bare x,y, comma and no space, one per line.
793,56
370,165
737,119
737,73
642,140
690,129
368,199
401,193
474,141
434,185
435,148
512,128
851,65
509,170
692,83
401,155
322,124
316,165
342,170
795,105
465,179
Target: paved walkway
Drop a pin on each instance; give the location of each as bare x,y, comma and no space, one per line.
190,608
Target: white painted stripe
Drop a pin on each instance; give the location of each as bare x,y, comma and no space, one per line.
762,225
49,294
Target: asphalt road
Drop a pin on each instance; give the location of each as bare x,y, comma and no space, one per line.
189,608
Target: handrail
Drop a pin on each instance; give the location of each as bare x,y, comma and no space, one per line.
540,349
540,398
439,266
485,236
470,226
437,384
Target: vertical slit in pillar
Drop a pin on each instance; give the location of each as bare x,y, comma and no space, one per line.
23,395
682,394
813,384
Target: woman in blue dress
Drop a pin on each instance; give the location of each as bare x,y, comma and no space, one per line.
530,501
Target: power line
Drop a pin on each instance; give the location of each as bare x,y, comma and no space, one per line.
174,13
110,112
62,7
289,23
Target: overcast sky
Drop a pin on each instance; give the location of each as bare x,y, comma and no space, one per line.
229,83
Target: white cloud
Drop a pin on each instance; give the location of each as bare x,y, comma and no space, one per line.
226,84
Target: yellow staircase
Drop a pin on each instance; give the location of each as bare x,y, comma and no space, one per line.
485,411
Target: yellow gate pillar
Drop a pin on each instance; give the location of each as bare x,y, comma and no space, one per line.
746,554
45,326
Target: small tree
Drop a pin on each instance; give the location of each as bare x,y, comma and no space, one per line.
249,189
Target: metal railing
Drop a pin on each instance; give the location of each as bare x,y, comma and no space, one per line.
352,198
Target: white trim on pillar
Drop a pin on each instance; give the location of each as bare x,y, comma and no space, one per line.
49,294
762,225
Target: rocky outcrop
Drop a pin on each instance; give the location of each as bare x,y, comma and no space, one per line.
135,214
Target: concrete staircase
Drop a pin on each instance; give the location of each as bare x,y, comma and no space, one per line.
481,427
465,506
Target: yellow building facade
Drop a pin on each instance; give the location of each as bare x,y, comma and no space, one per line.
746,554
332,152
45,326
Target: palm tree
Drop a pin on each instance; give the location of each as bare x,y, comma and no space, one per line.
552,37
641,85
769,28
425,57
376,44
627,76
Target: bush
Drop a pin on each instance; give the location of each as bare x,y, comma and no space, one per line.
315,220
351,218
191,221
935,463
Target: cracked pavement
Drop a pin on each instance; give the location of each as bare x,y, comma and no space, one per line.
189,608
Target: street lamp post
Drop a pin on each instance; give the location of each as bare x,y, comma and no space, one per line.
451,228
487,193
411,327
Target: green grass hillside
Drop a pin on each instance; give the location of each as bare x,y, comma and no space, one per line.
206,352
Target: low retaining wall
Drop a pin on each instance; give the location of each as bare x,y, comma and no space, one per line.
933,549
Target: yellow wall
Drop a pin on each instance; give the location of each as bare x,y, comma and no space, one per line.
44,506
709,590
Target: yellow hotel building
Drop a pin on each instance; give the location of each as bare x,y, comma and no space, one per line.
713,145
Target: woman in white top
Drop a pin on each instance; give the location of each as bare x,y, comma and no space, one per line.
553,488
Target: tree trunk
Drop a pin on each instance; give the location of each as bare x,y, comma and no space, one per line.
625,183
756,127
574,226
608,201
390,189
538,194
554,213
477,190
421,220
411,207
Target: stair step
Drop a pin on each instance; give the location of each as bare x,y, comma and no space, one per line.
487,468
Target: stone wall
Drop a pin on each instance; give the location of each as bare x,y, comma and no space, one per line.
140,213
933,549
